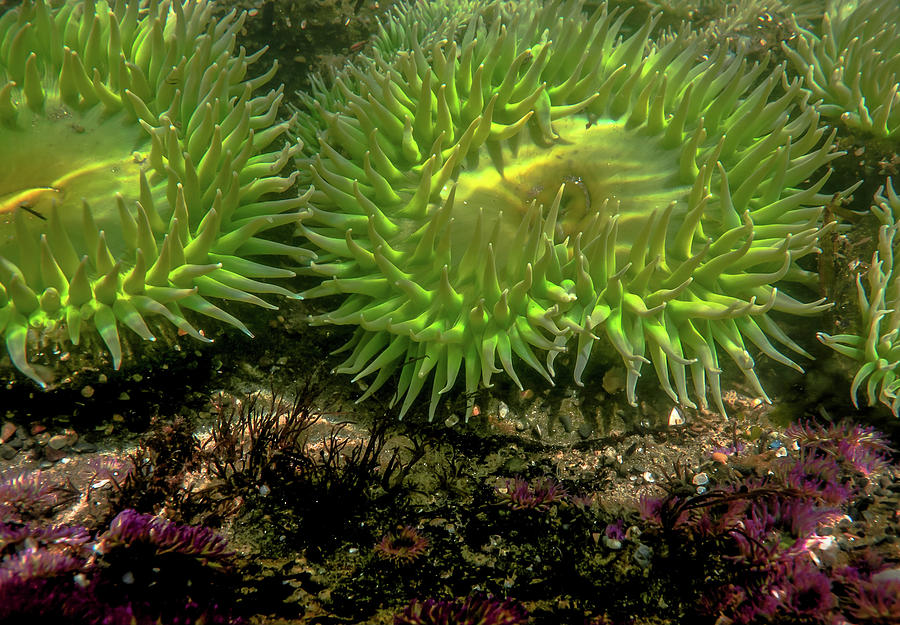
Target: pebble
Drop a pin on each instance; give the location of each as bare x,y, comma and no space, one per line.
84,447
54,455
642,556
609,455
887,575
612,543
7,431
675,417
8,452
60,441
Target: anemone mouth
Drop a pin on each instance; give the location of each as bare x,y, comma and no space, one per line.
602,168
498,199
137,179
62,159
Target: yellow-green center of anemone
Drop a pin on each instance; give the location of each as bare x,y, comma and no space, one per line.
603,168
67,157
541,184
136,172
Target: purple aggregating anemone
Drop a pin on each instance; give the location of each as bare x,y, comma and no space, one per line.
876,600
25,495
815,476
67,574
860,446
402,547
779,534
872,588
38,563
538,494
473,610
615,530
132,529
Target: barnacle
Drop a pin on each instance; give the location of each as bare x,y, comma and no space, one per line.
877,346
136,175
852,64
540,183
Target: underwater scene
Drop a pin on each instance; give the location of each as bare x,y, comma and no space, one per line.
449,312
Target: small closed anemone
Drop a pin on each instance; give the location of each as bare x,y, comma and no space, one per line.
852,64
137,172
539,183
876,346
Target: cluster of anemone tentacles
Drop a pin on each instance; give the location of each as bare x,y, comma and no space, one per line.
538,182
137,172
852,64
497,183
877,344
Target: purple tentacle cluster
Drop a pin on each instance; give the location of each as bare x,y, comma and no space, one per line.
538,494
130,529
779,533
403,546
859,446
67,574
473,610
25,494
615,530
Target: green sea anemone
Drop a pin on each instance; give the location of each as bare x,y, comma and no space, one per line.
853,65
426,22
539,183
877,346
743,20
136,175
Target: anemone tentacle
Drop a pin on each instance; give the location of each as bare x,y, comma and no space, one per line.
877,346
852,64
139,171
540,183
